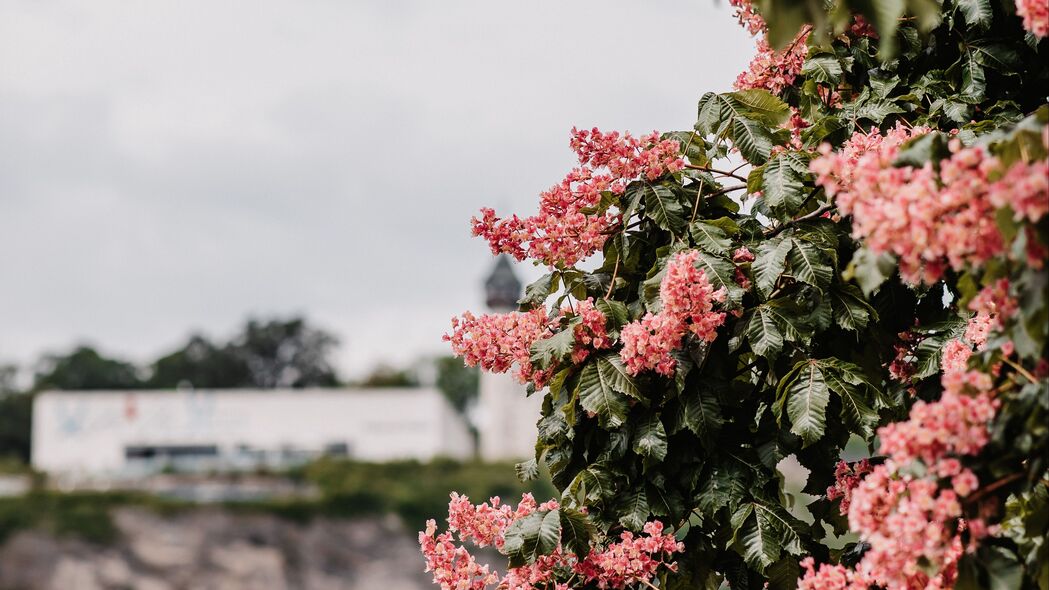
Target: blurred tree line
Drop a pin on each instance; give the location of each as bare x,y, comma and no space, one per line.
264,354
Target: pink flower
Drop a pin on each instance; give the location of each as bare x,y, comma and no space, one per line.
742,255
688,299
1036,16
993,306
955,356
496,342
846,478
774,70
571,224
632,559
930,219
590,332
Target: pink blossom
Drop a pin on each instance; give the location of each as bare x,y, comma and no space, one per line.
930,219
648,343
846,478
688,299
496,342
955,356
993,306
1036,16
571,225
632,559
742,255
590,332
1025,189
748,16
956,424
774,70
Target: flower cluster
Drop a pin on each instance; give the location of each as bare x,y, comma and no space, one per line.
929,218
631,560
748,16
1036,16
913,523
495,342
902,367
846,478
956,424
571,224
688,299
774,70
590,332
993,306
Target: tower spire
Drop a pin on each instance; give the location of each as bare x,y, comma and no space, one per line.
502,288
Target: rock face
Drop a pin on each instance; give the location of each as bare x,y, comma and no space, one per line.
213,549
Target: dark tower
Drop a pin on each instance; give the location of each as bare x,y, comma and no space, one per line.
501,288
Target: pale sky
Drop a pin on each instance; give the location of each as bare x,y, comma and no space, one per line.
174,166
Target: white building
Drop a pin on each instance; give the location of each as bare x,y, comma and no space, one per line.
506,418
127,433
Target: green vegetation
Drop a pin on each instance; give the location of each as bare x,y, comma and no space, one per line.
413,491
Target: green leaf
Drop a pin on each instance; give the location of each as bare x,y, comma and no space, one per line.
702,415
710,238
997,56
765,531
663,207
974,80
869,269
978,13
721,273
851,310
532,536
782,185
615,312
726,485
633,509
807,265
759,105
597,397
854,407
612,371
576,531
548,351
823,67
593,485
527,470
885,14
536,293
763,334
650,439
769,263
806,401
753,139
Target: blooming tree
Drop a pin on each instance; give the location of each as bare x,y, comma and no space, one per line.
848,248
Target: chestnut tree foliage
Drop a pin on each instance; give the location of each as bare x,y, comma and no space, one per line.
865,219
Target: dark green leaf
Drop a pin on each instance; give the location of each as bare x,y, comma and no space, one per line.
806,403
598,397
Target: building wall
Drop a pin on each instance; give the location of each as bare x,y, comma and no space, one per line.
506,418
88,432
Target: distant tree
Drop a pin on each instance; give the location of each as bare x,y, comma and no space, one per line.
15,416
286,354
84,368
203,364
457,382
387,376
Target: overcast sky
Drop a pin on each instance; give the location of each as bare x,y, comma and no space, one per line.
174,166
